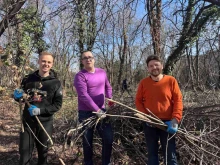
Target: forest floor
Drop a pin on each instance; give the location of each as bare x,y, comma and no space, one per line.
129,144
10,128
9,133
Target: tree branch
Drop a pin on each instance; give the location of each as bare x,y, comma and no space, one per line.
4,23
215,2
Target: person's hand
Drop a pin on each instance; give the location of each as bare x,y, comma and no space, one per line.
18,93
172,126
101,114
111,104
33,110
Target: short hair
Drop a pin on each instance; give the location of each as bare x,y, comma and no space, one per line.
46,53
85,52
153,57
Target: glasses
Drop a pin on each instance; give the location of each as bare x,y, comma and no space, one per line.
88,58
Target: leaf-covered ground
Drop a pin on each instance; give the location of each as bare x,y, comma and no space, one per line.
200,120
10,127
9,134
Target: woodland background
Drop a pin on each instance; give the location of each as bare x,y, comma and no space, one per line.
121,34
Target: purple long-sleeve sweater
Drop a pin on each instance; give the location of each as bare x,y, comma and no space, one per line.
92,88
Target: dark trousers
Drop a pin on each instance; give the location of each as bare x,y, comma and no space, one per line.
27,141
105,131
152,136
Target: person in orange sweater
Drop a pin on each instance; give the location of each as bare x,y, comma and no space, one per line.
160,95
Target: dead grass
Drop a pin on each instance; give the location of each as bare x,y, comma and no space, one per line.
201,119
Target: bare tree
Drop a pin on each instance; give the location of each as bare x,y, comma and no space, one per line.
154,17
215,2
63,45
115,34
86,25
11,11
191,29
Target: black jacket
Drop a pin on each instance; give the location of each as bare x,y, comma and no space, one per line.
49,91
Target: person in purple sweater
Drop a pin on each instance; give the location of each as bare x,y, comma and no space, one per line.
92,87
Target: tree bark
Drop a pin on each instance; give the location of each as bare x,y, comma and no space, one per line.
122,55
154,17
190,31
9,17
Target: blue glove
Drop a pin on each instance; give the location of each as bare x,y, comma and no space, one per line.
172,126
18,93
33,110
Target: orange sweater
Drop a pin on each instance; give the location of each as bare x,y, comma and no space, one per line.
163,98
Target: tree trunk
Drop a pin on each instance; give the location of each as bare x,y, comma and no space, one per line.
154,17
86,25
197,63
122,56
190,31
9,16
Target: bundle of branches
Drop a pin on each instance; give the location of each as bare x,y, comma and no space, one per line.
203,123
194,144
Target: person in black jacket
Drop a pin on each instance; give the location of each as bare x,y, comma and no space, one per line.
124,85
45,93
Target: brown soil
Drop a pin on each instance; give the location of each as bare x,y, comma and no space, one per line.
9,134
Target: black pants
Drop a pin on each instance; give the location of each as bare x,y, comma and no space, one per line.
105,131
27,141
152,136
